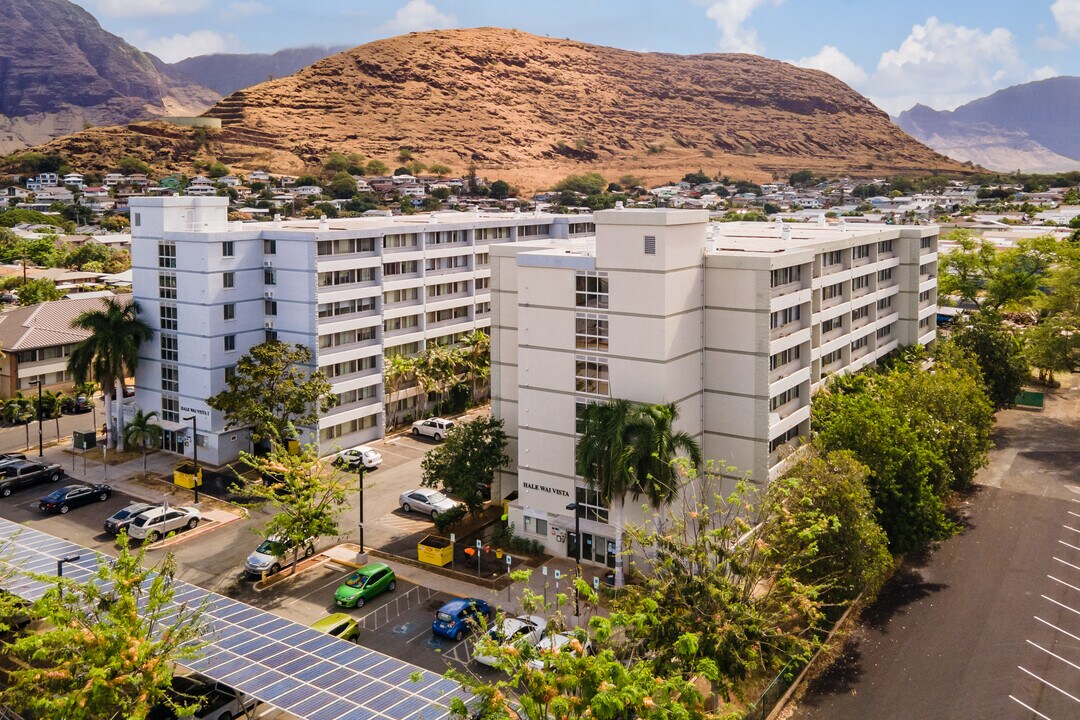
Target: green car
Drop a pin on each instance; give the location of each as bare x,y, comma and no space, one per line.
364,584
338,625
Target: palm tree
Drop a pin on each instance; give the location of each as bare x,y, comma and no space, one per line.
658,446
19,410
143,431
53,408
477,348
110,354
397,370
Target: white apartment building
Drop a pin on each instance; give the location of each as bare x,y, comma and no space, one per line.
352,290
737,323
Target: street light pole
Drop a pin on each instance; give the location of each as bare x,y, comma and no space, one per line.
60,570
361,471
40,442
577,553
195,452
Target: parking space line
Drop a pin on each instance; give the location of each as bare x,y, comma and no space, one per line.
1069,527
419,635
1061,604
1028,707
391,452
1077,589
1068,545
318,589
1067,662
1072,513
1050,684
1074,567
1065,632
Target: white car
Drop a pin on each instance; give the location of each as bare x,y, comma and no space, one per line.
554,644
427,501
528,629
435,428
160,521
350,459
273,554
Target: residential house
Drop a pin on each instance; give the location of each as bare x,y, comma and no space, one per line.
73,179
112,179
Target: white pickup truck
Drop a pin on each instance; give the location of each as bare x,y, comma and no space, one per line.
436,428
215,701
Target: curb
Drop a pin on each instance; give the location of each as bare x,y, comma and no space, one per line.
202,529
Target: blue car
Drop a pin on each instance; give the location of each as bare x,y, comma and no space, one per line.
458,617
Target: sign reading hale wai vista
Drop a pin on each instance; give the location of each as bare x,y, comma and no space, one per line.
545,488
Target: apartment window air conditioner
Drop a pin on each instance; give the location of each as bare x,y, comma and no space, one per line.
268,325
268,294
268,263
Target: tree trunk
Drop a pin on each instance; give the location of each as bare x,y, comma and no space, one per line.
619,543
120,444
110,436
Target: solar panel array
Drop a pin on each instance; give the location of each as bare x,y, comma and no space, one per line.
279,662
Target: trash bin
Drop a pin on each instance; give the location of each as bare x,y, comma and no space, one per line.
435,550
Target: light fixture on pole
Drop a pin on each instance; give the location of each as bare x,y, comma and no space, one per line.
361,470
195,452
40,441
577,553
60,569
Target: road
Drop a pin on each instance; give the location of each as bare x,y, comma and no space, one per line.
987,625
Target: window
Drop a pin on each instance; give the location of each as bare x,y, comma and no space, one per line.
924,295
269,276
228,311
884,275
170,409
861,251
831,291
402,323
346,337
228,280
926,270
499,233
784,398
533,230
270,335
454,288
589,506
270,307
230,373
444,237
483,283
401,268
227,249
784,357
346,307
833,324
591,332
592,290
137,221
885,246
230,343
783,276
483,308
591,375
829,358
884,332
405,350
168,316
439,316
861,313
925,322
860,282
833,257
784,317
483,259
582,229
393,297
446,263
536,526
170,348
884,304
345,246
787,437
926,243
860,343
166,255
170,378
399,241
270,247
167,286
349,367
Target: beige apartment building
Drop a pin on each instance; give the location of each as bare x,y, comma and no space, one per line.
737,323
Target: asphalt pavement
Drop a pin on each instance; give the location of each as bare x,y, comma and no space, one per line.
987,624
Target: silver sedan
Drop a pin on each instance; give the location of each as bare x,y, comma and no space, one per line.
427,501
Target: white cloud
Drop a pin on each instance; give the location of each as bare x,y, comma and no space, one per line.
836,63
417,15
730,16
1067,16
244,9
1044,72
144,8
945,65
200,42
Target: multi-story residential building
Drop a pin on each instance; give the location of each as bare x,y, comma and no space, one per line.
352,290
736,323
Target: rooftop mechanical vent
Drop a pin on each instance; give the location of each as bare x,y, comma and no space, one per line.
650,245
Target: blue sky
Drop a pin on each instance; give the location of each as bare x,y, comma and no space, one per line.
941,54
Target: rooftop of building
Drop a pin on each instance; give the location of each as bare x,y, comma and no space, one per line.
47,324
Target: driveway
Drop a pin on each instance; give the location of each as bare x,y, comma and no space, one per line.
987,624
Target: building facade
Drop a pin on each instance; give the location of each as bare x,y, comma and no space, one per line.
352,290
736,323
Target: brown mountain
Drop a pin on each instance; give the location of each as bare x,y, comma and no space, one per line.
59,70
532,109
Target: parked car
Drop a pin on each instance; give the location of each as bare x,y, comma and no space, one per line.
121,519
156,523
350,459
129,391
273,554
214,700
435,428
528,629
339,625
426,500
7,457
24,473
77,405
364,584
459,616
556,643
70,496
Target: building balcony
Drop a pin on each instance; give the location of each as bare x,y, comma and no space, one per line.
785,330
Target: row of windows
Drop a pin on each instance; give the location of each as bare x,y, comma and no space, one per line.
784,357
784,398
445,237
456,313
451,288
832,324
783,317
49,353
787,437
830,358
591,375
346,337
170,347
404,295
524,231
783,276
405,267
454,262
349,367
351,396
500,233
833,257
399,241
831,291
347,428
167,285
401,323
345,246
346,277
346,307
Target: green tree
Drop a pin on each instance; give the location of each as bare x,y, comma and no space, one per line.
273,391
143,432
404,155
376,167
335,162
217,169
132,166
965,270
397,370
439,170
105,647
307,493
467,460
342,185
52,408
824,496
19,410
476,347
588,184
38,290
500,190
800,178
658,444
997,351
115,223
1017,273
1053,346
110,354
